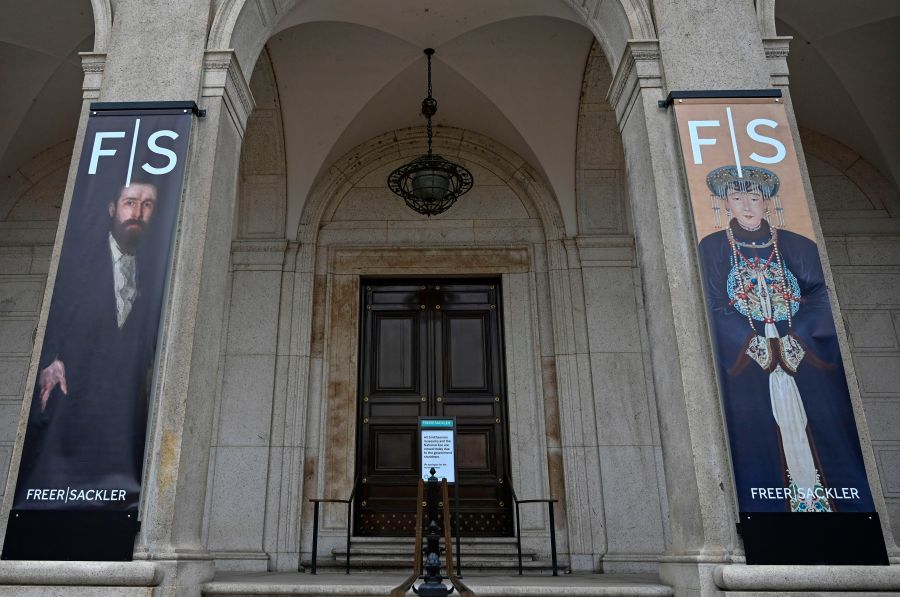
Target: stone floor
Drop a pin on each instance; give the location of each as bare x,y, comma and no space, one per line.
363,585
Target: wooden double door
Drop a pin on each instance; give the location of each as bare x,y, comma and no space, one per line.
431,348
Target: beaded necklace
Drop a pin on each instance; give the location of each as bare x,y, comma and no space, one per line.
755,264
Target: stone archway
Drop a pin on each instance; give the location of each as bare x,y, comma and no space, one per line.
565,365
352,226
245,26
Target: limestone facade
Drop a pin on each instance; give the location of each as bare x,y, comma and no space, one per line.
612,396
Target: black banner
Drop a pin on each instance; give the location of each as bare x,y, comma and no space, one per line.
83,454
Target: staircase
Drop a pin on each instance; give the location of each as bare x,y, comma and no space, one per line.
481,555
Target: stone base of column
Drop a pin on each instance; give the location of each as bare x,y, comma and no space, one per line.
702,576
692,575
183,574
740,579
103,579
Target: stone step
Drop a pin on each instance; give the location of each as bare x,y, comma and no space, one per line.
360,585
481,555
397,549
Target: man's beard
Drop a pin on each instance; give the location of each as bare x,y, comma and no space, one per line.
128,234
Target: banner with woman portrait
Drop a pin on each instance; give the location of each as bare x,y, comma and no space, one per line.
792,433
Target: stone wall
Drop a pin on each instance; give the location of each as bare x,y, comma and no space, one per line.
579,302
859,212
29,212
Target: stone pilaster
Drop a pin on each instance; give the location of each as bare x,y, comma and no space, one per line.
698,480
577,419
190,343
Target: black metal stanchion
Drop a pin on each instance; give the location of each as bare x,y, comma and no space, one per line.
553,539
315,535
349,522
518,537
432,585
456,517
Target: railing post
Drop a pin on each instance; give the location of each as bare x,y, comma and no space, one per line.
349,522
458,530
315,535
518,538
553,539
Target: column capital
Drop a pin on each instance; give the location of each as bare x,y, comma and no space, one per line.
639,68
93,64
777,49
223,77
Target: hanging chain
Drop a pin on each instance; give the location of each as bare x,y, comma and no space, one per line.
429,105
429,75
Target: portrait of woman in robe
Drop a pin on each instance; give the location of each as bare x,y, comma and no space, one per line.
787,406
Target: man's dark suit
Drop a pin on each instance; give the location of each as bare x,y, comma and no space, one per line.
93,437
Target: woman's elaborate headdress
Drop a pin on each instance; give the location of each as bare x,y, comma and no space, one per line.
747,179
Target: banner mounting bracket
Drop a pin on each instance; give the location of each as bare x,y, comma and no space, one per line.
186,106
718,94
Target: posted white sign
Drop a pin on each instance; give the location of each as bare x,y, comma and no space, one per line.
439,453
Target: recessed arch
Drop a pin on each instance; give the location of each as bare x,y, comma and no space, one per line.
245,25
449,142
103,18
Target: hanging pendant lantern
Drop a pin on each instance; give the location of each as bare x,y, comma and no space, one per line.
430,184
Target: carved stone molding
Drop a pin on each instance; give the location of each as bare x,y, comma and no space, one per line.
223,77
765,13
777,50
102,23
258,255
433,261
640,67
93,64
637,12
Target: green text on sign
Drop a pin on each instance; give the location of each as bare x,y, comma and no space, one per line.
443,423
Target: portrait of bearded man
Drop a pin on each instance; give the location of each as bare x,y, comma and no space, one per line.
87,425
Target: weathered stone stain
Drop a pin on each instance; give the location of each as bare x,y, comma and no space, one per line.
551,401
317,342
168,461
341,384
558,487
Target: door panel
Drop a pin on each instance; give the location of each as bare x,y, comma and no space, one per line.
396,352
466,358
431,348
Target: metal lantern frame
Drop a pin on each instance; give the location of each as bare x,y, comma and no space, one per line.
430,184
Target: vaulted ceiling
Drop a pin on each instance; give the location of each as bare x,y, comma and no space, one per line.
348,70
40,75
845,73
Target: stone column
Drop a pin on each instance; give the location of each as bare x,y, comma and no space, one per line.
190,345
698,481
157,52
721,50
178,67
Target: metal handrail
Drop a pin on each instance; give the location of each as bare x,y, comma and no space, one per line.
461,589
315,541
401,589
549,502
